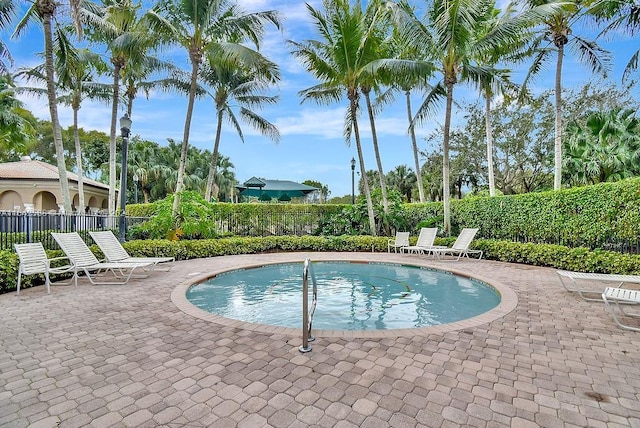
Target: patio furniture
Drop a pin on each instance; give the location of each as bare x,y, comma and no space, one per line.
425,241
34,260
114,252
461,246
615,296
84,260
581,279
401,240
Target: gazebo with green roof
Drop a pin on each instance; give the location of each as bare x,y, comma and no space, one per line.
266,190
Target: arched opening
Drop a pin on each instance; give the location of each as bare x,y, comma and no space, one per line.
45,201
10,201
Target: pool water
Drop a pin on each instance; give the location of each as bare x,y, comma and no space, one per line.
351,296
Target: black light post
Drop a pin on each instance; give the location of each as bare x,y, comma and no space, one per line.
353,181
125,127
135,188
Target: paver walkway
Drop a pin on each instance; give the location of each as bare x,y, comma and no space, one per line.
128,356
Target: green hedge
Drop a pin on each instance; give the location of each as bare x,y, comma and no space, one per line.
583,216
561,257
599,216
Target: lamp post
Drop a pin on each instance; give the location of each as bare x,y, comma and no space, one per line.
135,187
353,181
125,127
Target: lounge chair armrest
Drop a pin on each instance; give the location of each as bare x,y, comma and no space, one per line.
48,261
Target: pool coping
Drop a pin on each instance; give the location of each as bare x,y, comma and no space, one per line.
508,298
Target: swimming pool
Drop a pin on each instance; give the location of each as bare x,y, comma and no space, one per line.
351,296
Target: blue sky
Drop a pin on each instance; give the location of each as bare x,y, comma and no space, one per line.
311,145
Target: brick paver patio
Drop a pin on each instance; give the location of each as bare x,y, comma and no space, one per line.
129,356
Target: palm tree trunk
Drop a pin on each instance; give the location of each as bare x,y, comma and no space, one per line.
557,160
76,138
414,145
214,159
487,118
112,138
185,138
46,10
363,170
376,150
445,162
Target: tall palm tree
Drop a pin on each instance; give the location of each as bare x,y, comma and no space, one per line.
406,83
43,12
452,34
217,27
556,35
339,61
122,30
233,85
74,69
497,82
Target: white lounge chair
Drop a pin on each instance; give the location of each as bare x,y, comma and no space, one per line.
401,241
615,296
583,282
114,252
84,260
461,246
425,242
34,260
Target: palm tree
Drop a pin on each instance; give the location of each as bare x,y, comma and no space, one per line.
403,179
119,26
231,84
407,82
558,33
43,12
74,69
497,82
214,27
453,36
339,61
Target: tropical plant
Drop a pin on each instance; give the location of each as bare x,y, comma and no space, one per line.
44,12
207,27
454,36
558,33
621,16
123,31
339,61
15,129
403,180
75,69
196,219
7,13
230,85
606,148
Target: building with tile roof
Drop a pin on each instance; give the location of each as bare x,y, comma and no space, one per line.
34,185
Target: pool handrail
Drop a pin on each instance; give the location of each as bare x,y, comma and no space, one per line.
307,315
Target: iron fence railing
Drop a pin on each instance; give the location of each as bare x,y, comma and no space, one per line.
19,227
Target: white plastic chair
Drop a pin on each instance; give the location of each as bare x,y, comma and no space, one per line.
401,240
461,246
426,238
114,252
34,260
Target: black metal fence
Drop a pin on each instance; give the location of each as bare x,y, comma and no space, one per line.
20,227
